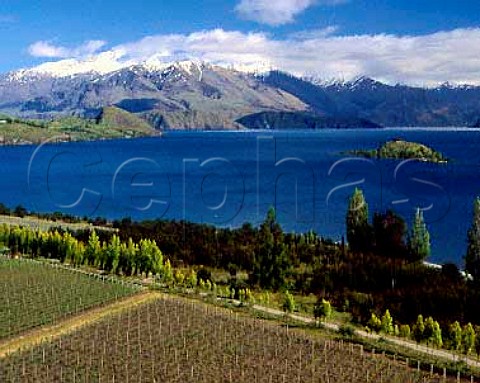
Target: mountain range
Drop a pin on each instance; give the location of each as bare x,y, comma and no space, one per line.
199,95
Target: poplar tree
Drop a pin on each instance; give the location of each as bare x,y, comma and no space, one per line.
167,275
472,259
405,331
375,323
455,335
437,339
288,304
93,249
358,229
157,259
112,254
432,332
387,323
468,338
419,239
419,329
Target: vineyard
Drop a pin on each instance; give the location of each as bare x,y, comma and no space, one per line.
34,294
175,340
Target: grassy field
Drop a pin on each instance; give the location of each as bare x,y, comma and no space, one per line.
34,294
178,340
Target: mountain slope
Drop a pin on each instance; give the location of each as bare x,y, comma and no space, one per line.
383,104
198,95
180,95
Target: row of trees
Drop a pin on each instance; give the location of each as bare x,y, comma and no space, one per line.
113,256
464,339
386,235
378,269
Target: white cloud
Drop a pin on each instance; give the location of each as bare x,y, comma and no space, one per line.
431,59
47,49
272,12
315,33
277,12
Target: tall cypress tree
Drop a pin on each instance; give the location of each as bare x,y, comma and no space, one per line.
419,239
472,259
358,230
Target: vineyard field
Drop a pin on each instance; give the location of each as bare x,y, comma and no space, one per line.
34,294
177,340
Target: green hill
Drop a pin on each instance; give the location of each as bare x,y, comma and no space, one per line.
112,123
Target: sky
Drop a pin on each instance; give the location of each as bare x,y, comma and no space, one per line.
421,42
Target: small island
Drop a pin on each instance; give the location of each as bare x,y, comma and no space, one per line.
401,149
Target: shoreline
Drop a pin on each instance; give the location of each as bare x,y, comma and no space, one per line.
164,133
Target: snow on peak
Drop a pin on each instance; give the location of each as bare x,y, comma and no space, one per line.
257,68
115,60
102,63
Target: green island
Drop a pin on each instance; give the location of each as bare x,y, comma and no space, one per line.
111,123
401,149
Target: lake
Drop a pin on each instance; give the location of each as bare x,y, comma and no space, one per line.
228,178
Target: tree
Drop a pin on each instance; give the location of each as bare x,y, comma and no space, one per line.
468,338
358,229
271,265
20,211
428,329
375,323
128,254
144,257
167,275
156,259
455,336
390,229
288,304
419,239
179,278
432,332
192,279
387,323
93,249
437,335
112,254
322,310
404,331
419,329
472,259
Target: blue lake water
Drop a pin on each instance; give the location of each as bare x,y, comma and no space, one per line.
227,178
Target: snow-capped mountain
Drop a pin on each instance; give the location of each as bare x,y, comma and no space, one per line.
187,93
197,94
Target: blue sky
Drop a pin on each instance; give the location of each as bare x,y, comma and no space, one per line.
66,29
